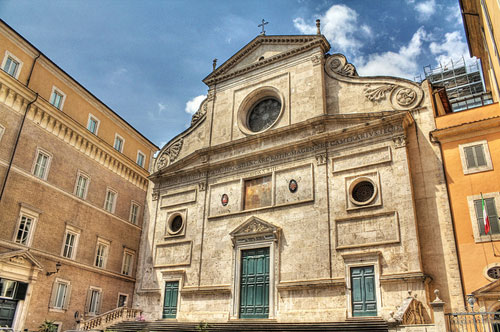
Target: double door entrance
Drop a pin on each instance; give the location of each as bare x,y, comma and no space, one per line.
364,301
254,283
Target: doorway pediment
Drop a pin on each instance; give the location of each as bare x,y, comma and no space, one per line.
255,229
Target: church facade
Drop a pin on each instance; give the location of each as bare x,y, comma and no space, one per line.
300,192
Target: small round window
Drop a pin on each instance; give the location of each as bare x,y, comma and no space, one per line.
362,191
175,224
263,114
494,272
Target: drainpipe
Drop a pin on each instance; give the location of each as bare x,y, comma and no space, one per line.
435,140
15,146
31,71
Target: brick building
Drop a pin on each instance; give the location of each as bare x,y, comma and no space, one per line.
73,177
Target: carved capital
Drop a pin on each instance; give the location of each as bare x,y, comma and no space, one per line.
321,159
316,60
202,186
155,196
400,141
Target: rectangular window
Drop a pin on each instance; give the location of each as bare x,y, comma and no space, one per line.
122,300
11,66
475,157
41,167
61,292
101,255
93,124
118,143
93,301
24,230
140,158
492,214
70,242
82,182
7,288
134,213
110,200
57,98
258,192
128,260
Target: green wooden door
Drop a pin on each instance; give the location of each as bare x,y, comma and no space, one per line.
364,301
170,301
7,312
254,291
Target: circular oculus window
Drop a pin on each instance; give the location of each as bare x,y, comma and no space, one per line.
263,114
175,224
494,272
362,191
260,110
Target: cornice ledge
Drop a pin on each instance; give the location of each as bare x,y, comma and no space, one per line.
403,94
63,127
13,93
220,76
466,128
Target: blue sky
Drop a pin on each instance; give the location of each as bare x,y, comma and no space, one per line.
146,59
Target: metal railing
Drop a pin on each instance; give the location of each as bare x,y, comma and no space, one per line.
473,322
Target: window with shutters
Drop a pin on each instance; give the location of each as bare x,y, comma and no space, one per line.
110,200
94,298
11,64
128,262
101,255
41,164
57,98
61,292
70,242
82,184
26,225
492,202
475,157
134,213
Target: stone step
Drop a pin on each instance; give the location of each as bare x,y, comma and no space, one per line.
373,324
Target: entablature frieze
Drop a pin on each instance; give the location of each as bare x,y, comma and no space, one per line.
62,126
273,158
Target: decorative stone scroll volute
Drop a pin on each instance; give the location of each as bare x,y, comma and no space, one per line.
412,312
401,93
169,153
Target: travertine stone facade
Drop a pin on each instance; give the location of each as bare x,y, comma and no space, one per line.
294,188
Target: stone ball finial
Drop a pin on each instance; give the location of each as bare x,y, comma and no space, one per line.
409,293
318,24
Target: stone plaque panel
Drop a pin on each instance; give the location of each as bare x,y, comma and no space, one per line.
303,175
178,198
173,254
364,231
233,204
361,159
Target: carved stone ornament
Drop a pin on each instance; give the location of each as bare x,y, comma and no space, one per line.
339,65
168,155
255,227
202,186
401,93
316,60
399,141
210,95
411,312
321,158
155,196
200,114
17,259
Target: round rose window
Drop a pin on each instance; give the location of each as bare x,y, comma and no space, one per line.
363,191
494,272
263,114
176,224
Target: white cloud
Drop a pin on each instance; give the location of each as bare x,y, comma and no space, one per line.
193,104
402,63
161,107
340,26
454,16
451,48
425,9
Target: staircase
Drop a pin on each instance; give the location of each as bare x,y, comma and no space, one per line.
103,321
372,325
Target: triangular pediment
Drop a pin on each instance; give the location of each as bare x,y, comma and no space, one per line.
492,287
20,257
254,226
264,50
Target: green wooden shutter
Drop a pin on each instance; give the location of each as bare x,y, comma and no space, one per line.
492,214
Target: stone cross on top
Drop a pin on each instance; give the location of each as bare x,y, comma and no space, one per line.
263,32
